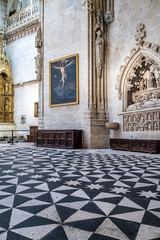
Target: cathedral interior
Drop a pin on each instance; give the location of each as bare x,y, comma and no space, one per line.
79,119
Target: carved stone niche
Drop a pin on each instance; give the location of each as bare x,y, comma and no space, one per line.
142,84
139,84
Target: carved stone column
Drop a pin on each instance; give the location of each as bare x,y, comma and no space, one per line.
97,94
39,66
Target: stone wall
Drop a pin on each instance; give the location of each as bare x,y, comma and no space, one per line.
25,97
22,53
66,33
2,14
121,39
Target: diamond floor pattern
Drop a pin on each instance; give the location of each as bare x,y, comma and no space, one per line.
78,195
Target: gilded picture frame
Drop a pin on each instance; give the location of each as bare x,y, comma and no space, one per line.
64,81
36,109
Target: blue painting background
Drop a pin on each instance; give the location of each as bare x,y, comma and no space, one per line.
60,95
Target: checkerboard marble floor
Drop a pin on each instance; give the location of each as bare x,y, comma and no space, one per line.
52,194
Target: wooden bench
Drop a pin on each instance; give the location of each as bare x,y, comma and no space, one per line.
136,145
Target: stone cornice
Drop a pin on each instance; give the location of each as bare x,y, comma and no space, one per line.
22,31
31,82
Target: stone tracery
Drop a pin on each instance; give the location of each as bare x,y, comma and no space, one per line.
139,84
143,84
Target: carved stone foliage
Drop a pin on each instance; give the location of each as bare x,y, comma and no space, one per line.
143,121
109,17
140,34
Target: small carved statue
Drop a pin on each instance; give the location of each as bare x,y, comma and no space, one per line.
99,44
149,126
155,126
38,38
38,64
130,127
142,85
149,116
149,77
155,116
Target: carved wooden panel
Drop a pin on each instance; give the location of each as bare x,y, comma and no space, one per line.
59,138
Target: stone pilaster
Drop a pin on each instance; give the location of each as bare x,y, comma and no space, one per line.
97,94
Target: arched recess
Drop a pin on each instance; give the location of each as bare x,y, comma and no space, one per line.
139,85
6,90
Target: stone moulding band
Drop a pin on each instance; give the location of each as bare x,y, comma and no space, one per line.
26,83
22,32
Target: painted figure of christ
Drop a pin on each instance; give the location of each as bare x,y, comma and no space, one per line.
62,68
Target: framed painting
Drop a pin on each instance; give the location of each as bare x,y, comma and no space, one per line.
63,81
36,109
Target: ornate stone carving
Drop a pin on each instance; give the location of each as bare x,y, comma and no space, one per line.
143,84
17,35
139,85
38,39
143,121
38,59
139,78
108,17
38,64
99,44
88,4
28,15
141,33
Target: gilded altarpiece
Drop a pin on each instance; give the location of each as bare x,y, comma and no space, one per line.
6,88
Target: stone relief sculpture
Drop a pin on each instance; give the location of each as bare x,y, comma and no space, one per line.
145,121
38,38
99,44
38,64
142,84
139,85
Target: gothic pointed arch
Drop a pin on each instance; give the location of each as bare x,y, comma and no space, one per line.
138,85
